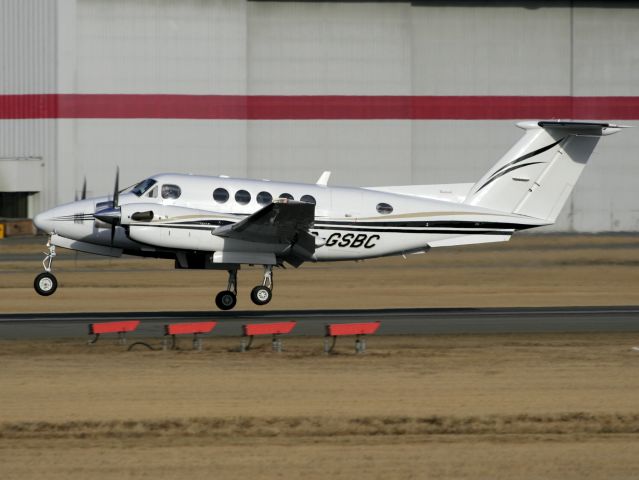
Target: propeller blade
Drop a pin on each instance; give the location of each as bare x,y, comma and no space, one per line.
84,188
112,215
116,190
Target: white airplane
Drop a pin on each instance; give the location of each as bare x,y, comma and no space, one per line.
206,222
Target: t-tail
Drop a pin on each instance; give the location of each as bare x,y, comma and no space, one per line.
537,174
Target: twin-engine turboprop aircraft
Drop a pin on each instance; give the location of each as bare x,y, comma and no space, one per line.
221,223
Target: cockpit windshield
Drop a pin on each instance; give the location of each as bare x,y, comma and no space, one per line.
143,186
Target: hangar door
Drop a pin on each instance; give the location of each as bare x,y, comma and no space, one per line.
21,181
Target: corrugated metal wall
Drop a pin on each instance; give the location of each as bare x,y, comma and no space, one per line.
28,65
234,47
181,47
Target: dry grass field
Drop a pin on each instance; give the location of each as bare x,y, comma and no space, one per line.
529,406
527,271
465,406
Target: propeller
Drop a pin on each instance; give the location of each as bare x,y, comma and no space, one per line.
112,215
116,190
116,198
84,190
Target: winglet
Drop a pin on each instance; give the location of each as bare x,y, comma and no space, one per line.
323,179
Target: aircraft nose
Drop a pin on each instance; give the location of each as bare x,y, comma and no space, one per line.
44,221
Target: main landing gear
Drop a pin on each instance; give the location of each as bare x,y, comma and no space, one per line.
260,295
46,284
226,299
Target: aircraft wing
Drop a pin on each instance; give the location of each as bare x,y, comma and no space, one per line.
278,223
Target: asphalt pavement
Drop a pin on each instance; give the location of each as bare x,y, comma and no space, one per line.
409,321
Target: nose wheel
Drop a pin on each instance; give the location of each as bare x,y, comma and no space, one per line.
46,284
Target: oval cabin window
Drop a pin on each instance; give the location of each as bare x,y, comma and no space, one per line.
242,197
264,198
220,195
288,196
171,191
308,199
384,208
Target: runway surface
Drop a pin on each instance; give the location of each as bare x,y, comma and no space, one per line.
311,322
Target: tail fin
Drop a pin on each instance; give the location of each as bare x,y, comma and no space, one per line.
537,174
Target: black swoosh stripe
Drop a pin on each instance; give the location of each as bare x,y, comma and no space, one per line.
73,217
515,167
174,225
461,231
526,156
423,231
456,226
431,224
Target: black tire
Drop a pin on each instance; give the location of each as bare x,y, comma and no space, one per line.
45,284
225,300
261,295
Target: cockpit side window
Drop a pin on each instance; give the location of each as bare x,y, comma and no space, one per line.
153,193
171,191
143,186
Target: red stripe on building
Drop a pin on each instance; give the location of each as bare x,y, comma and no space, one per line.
323,107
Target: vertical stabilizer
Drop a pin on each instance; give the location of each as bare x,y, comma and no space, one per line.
537,174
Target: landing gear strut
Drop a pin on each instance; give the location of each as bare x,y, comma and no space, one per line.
46,284
226,299
262,294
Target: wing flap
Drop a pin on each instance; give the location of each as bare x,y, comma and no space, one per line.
277,223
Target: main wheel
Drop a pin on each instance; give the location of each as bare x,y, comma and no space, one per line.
261,295
225,300
45,284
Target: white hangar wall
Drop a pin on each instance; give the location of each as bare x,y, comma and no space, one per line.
237,47
28,65
146,47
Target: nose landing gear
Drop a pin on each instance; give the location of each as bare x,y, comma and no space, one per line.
46,284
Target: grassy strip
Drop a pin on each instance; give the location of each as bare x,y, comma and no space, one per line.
255,427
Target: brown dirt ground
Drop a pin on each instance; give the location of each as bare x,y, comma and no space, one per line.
450,406
446,406
527,271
